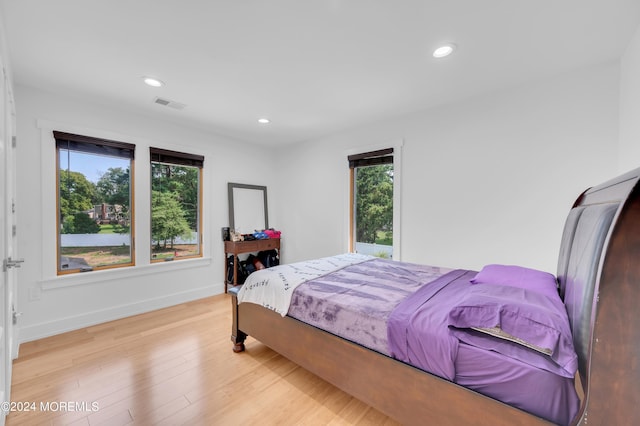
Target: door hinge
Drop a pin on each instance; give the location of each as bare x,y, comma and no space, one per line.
13,205
14,230
14,141
11,263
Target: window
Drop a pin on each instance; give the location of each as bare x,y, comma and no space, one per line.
95,203
176,213
371,203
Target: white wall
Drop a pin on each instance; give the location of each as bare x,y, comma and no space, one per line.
486,180
630,106
53,304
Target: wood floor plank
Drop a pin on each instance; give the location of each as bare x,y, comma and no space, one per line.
173,366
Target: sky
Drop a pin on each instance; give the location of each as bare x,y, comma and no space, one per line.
92,166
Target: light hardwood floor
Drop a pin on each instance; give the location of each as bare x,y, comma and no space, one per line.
171,367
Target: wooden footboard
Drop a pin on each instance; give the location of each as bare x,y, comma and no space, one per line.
402,392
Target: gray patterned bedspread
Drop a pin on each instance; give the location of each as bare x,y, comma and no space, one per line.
355,302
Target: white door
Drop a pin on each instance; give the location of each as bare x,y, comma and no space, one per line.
11,225
3,226
8,287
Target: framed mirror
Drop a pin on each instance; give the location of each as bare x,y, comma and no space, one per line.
247,207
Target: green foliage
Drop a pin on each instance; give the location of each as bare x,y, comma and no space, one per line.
183,181
175,192
122,229
384,238
167,218
113,187
107,229
382,254
374,201
77,194
79,223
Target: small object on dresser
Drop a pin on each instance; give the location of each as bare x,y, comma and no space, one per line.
272,233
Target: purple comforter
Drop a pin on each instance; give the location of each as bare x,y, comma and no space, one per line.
418,329
419,334
355,302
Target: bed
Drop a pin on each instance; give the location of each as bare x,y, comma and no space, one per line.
593,378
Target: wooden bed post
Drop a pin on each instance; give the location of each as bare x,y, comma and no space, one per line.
237,336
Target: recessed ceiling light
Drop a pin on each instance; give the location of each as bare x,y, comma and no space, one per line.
264,121
153,82
444,50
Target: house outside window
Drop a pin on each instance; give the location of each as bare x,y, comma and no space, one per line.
95,209
176,205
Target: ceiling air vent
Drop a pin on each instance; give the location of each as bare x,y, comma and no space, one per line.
169,103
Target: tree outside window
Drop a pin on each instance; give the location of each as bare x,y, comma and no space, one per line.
372,203
94,203
175,205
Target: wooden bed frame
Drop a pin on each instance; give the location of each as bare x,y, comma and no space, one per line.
602,295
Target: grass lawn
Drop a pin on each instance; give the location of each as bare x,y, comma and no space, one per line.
99,256
106,229
111,255
177,251
384,238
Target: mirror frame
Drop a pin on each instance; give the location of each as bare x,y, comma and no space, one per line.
231,186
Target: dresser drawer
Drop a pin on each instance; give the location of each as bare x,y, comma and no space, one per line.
250,246
270,244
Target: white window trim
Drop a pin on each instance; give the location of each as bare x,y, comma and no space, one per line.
116,274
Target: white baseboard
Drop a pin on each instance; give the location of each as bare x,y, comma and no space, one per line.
51,328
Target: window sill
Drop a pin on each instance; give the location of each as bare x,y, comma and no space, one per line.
83,278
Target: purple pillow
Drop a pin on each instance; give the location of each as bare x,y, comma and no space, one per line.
517,276
518,323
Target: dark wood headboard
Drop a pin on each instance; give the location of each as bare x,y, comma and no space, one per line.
599,277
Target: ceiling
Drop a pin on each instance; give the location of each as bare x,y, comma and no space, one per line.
311,67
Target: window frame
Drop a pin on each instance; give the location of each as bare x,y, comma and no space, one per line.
177,158
373,156
93,145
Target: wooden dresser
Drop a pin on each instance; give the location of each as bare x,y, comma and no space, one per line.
240,247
